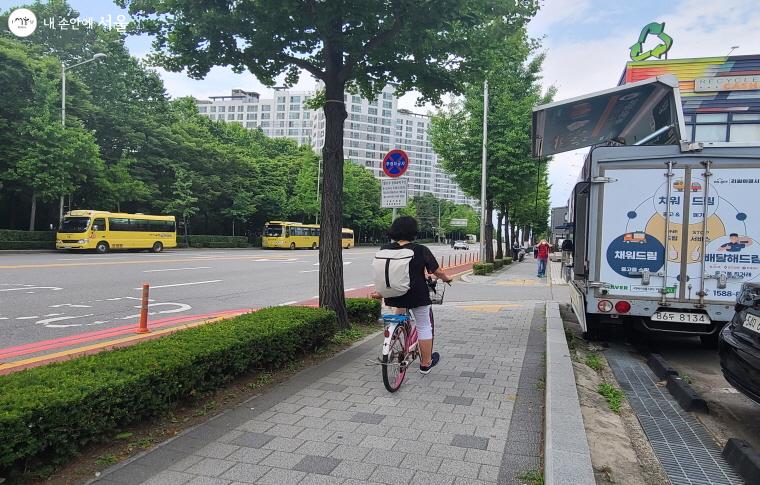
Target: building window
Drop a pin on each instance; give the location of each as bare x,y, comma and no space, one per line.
388,104
356,99
280,107
372,120
221,109
230,116
293,115
266,107
250,124
281,124
264,124
372,111
306,115
280,116
387,113
212,109
265,116
240,108
240,116
251,116
201,109
281,99
356,108
387,95
251,107
295,99
292,132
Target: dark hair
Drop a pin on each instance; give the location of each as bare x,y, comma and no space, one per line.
403,229
733,234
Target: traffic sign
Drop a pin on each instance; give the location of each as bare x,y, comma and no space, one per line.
394,192
458,223
395,163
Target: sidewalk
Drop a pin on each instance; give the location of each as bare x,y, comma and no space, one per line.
477,418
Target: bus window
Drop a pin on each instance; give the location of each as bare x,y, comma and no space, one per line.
99,224
347,235
75,224
118,224
273,231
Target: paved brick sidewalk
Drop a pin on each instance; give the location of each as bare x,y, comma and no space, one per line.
336,423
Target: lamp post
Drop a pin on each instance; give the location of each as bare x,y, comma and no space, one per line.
65,68
484,175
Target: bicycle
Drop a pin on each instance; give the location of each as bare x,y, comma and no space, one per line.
400,346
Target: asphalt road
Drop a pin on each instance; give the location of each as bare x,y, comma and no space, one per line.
48,295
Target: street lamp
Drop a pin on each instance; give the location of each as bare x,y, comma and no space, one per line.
65,68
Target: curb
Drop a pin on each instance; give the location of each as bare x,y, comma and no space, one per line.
685,395
567,458
745,460
661,367
682,392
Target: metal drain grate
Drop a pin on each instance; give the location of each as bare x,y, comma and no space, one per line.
686,450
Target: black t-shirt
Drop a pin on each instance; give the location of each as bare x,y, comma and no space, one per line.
418,294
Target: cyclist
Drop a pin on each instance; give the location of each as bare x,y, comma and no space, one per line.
403,231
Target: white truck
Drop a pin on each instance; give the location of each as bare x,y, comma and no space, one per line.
640,213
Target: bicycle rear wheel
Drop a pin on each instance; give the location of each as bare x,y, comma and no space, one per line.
393,363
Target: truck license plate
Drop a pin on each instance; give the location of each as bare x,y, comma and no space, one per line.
752,322
681,317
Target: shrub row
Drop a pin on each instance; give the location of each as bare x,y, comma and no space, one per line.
363,310
482,268
27,244
500,263
49,413
213,241
13,235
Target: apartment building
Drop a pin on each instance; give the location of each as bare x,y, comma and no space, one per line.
373,127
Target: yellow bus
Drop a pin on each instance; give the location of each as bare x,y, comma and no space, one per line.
293,235
104,231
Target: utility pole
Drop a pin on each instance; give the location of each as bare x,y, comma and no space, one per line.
484,175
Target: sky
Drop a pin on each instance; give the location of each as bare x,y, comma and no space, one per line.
586,44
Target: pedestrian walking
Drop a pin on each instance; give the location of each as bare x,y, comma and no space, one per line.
542,254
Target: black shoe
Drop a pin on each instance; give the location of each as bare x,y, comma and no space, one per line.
425,369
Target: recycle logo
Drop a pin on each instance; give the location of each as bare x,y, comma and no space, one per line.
659,50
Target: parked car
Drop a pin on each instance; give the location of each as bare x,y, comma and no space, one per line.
461,245
739,343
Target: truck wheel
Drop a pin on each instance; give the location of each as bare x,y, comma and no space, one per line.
102,247
710,341
157,247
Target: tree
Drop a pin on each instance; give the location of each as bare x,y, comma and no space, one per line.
457,132
183,202
424,45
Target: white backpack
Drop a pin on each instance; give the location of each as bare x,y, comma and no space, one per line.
391,268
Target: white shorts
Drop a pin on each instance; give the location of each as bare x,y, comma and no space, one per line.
422,322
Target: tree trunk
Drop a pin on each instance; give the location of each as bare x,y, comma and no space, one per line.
33,212
184,223
499,250
527,235
331,293
489,231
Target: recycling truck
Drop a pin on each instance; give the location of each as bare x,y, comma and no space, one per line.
663,229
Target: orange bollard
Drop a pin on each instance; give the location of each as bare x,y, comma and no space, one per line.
143,327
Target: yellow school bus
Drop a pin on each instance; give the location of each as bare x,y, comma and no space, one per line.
104,231
293,235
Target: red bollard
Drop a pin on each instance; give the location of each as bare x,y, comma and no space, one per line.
143,327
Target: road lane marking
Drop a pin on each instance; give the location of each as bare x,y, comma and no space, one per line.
174,269
369,285
349,289
180,307
182,284
52,314
137,261
71,305
287,303
80,259
27,287
310,271
47,321
28,318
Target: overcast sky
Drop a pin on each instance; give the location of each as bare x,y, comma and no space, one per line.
587,44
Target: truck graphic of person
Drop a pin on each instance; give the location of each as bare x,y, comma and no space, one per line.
735,244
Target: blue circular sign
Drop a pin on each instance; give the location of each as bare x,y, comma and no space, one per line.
630,254
395,163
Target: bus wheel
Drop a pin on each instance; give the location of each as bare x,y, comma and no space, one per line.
292,245
157,247
313,246
102,247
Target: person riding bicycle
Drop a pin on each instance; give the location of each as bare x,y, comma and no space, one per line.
403,231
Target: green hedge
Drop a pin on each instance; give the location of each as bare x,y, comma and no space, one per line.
482,268
507,260
363,310
13,235
49,413
213,241
498,264
12,239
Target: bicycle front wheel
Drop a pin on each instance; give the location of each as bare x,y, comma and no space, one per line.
394,369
